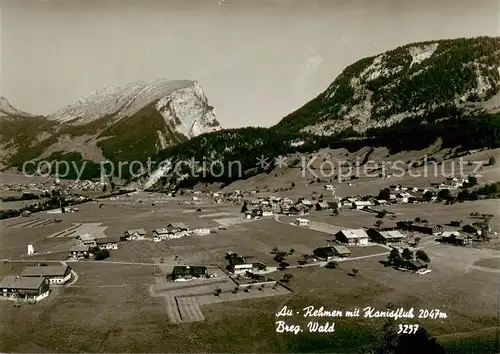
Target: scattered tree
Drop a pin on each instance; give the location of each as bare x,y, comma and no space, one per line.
101,254
417,219
384,194
355,271
428,195
379,223
407,254
417,240
332,265
244,208
293,184
444,194
395,257
491,161
422,256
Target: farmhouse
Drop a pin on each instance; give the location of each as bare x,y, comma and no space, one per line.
330,253
135,234
352,236
454,238
79,251
183,273
385,237
59,274
160,234
109,243
29,288
86,240
238,265
359,204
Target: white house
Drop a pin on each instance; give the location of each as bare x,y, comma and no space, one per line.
329,187
267,212
238,265
201,231
302,222
59,274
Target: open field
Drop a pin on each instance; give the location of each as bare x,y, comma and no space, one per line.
124,307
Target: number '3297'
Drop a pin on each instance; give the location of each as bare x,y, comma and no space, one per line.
407,329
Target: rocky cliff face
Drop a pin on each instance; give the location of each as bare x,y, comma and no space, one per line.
418,80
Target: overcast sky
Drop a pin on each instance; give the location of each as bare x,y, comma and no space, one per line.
256,60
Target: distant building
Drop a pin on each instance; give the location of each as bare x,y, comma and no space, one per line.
426,229
352,236
176,227
86,240
360,204
182,273
330,253
322,206
454,238
59,274
302,222
267,211
29,288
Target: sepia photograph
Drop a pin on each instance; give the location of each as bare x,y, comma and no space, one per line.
250,176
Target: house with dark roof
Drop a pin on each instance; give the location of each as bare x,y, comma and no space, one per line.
455,238
28,288
425,228
183,273
414,265
472,229
59,274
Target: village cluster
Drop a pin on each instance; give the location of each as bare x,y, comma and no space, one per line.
401,238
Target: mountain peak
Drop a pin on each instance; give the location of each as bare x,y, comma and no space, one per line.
7,109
